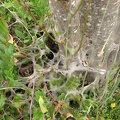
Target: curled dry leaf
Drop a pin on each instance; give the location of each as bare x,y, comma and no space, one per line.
15,60
69,115
11,40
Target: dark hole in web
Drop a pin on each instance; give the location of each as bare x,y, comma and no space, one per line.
26,69
90,42
22,91
58,115
8,94
39,34
50,55
51,44
73,104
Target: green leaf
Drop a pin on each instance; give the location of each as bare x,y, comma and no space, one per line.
71,84
3,29
26,41
38,67
2,39
19,34
38,94
8,4
2,102
42,105
16,104
8,118
62,96
37,115
6,53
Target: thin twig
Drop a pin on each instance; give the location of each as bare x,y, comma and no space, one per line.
84,28
41,27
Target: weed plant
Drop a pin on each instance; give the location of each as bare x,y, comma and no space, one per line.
34,84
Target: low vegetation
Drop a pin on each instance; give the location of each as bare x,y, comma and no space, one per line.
34,83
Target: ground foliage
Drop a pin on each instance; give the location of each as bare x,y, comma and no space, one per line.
32,84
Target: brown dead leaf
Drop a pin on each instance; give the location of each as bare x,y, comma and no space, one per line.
87,119
11,40
69,115
15,60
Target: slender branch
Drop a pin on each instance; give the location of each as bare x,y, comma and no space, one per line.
78,8
84,28
41,27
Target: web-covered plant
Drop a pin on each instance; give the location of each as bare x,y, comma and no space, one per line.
66,54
